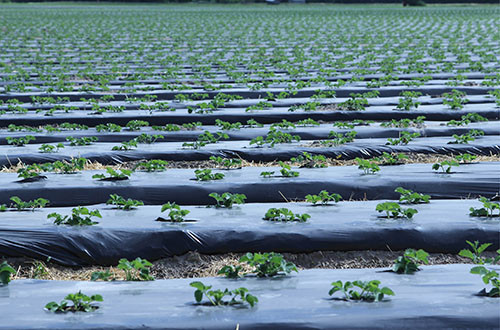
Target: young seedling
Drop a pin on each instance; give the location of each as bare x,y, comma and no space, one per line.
109,127
466,138
407,101
455,100
77,302
136,270
268,264
465,158
123,204
20,205
390,159
226,200
83,141
445,166
409,262
274,137
310,161
216,297
368,291
475,253
175,213
324,197
80,216
286,170
155,165
368,167
405,123
135,125
284,214
404,138
230,271
126,146
21,141
488,276
113,175
337,139
65,167
226,163
267,174
410,197
30,173
488,209
5,272
207,175
357,102
48,148
394,210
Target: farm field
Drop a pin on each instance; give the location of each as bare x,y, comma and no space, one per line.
312,166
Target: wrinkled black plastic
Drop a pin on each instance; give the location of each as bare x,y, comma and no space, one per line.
441,226
435,298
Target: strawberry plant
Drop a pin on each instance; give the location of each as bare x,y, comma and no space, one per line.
361,290
410,197
488,276
113,175
323,197
207,175
30,173
109,127
216,297
227,126
466,138
409,262
75,302
253,123
405,123
268,264
83,141
488,209
135,125
154,165
357,102
274,137
148,138
474,254
65,167
284,214
368,167
404,138
310,161
337,139
307,122
390,159
226,162
445,166
175,213
122,203
267,174
471,117
21,141
394,210
20,205
80,216
226,200
455,100
286,170
47,148
231,271
407,101
5,272
465,158
136,270
284,124
125,146
206,138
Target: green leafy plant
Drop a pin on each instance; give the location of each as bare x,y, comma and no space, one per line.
390,159
231,271
83,141
21,141
284,214
337,139
20,205
268,264
65,167
488,276
409,262
126,145
175,213
405,122
455,100
467,137
154,165
286,170
475,253
323,197
75,302
226,162
207,175
274,137
122,203
404,138
216,297
113,175
407,101
267,174
6,271
488,209
136,270
411,197
80,216
394,210
465,158
135,125
109,127
445,166
226,200
368,167
310,161
47,148
361,290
